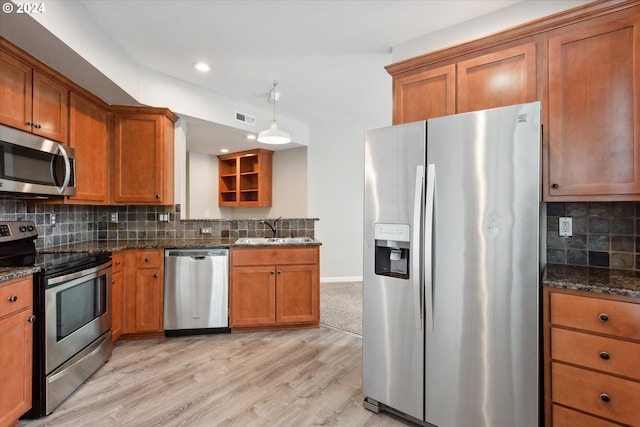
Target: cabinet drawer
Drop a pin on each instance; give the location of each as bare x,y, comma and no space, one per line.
117,261
15,295
148,259
598,315
584,390
593,351
565,417
274,256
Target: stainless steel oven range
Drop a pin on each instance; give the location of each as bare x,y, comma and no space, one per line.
72,330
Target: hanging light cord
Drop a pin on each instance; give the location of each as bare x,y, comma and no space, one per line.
272,99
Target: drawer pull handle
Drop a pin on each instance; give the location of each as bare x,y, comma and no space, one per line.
605,397
146,260
13,298
603,316
31,319
604,355
117,262
156,275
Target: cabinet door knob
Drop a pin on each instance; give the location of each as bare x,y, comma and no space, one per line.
157,196
272,272
13,298
156,275
117,262
279,272
603,316
29,123
605,397
31,319
554,186
604,355
38,126
146,260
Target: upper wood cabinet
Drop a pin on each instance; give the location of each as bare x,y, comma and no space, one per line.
143,156
485,80
581,64
594,109
88,136
31,101
498,79
245,178
424,94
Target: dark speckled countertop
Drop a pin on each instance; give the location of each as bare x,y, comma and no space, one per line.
593,279
9,273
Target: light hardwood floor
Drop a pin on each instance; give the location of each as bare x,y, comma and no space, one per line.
287,378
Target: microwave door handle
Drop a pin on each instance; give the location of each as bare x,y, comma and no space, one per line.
67,167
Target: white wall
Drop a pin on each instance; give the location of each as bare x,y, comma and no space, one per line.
336,191
289,187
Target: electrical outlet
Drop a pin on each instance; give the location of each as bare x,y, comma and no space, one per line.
52,220
113,217
205,230
565,228
163,217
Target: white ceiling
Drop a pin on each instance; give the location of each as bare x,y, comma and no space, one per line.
328,56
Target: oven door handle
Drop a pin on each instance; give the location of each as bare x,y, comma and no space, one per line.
91,272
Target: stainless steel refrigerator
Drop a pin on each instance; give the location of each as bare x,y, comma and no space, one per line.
451,269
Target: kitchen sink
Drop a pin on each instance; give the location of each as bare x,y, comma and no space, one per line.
273,240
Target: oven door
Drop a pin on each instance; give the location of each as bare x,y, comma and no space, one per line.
76,312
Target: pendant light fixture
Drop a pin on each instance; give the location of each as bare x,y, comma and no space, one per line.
274,135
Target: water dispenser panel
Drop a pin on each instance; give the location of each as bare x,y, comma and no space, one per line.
392,244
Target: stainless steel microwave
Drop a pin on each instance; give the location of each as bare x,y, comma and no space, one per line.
31,165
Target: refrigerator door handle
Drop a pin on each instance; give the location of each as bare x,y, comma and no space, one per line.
428,246
415,239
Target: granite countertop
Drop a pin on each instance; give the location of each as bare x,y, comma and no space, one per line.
593,279
96,247
120,245
10,273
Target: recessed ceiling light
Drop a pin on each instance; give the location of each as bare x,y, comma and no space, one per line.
224,150
251,136
201,66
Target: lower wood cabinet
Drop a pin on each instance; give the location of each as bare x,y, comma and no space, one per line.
592,359
143,293
16,348
117,290
273,288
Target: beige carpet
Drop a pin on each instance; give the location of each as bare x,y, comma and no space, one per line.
341,306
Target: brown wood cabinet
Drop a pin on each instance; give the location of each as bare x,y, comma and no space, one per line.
32,101
117,295
422,95
594,109
581,64
273,288
498,79
143,293
143,156
16,347
592,359
487,79
245,178
88,136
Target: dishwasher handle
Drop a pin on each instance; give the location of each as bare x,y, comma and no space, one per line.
199,257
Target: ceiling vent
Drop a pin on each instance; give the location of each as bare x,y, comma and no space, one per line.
245,118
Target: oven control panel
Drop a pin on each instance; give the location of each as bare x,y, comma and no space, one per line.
16,230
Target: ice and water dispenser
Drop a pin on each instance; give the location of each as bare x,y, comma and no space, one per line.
392,243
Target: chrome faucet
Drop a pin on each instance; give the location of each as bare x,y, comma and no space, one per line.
273,227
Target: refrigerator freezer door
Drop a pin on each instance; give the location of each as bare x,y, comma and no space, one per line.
481,358
393,336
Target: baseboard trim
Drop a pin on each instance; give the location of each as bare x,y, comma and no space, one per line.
341,279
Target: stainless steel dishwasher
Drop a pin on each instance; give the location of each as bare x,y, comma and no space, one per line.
196,298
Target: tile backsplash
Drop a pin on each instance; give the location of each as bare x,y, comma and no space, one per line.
80,223
605,234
